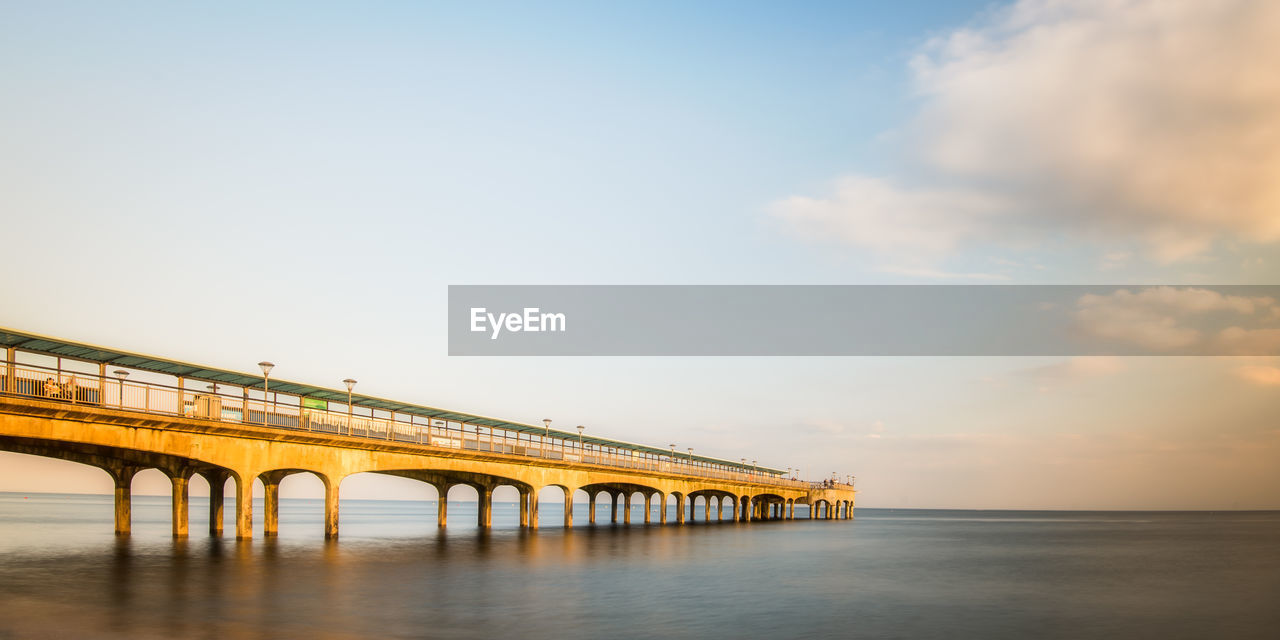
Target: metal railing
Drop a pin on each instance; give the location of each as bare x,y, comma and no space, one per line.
289,412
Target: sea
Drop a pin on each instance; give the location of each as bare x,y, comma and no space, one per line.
887,573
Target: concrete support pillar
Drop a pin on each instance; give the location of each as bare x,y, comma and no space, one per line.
648,508
122,476
484,516
719,509
270,509
524,509
680,500
791,509
442,505
217,499
568,508
181,503
591,508
662,508
533,509
331,507
746,509
613,511
813,510
736,500
626,506
244,505
271,502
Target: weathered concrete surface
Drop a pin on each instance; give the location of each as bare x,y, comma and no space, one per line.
124,442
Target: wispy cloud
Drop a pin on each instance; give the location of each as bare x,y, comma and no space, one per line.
1148,121
1160,319
1260,375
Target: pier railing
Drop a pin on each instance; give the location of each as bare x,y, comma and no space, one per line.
236,404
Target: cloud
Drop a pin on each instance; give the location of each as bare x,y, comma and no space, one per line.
1155,122
1159,319
1260,375
1078,368
927,272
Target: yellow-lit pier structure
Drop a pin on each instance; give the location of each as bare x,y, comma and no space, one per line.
125,412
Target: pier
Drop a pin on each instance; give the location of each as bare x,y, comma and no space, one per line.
125,412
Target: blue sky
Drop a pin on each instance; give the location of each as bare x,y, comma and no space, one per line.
301,182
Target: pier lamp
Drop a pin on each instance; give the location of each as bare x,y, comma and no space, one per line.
266,385
351,384
580,430
546,432
690,457
753,468
121,374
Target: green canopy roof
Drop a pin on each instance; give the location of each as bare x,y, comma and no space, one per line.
93,353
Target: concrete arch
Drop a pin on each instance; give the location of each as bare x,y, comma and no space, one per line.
621,495
566,494
271,499
122,464
484,485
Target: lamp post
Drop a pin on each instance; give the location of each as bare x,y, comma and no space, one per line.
351,384
690,459
121,374
673,456
753,468
266,386
546,432
580,430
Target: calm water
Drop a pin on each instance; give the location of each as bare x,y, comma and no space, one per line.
907,574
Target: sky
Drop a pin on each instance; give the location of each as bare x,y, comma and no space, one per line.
301,182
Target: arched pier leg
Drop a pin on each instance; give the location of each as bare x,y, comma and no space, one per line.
442,505
613,510
680,500
181,502
591,508
533,509
662,508
244,505
484,515
648,508
626,509
735,508
217,500
524,508
331,486
271,502
568,508
122,476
